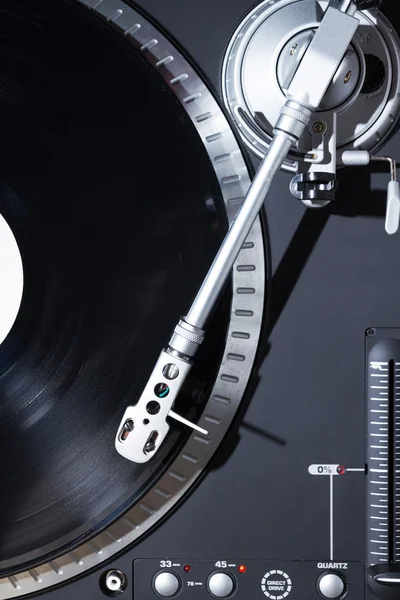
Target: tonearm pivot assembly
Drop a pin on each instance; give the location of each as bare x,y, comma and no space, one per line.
325,101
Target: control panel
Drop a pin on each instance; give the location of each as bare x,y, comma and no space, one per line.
247,579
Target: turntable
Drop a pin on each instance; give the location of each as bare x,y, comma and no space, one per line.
200,326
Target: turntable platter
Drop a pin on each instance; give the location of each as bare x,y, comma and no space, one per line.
117,213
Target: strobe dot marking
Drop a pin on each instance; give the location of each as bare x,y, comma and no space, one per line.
276,585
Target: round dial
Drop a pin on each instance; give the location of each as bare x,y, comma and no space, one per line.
264,54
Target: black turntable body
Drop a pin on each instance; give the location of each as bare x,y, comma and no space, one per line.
118,201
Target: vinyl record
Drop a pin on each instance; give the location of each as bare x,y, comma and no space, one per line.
117,213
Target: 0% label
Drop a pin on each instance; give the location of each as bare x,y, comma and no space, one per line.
324,469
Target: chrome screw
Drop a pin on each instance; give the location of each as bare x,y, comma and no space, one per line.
319,127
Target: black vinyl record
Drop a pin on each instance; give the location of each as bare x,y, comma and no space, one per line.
118,214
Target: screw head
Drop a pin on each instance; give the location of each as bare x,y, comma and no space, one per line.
348,76
371,331
318,127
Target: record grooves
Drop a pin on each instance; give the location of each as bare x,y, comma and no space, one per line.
124,159
112,229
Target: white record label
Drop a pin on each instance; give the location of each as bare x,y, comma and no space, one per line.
11,279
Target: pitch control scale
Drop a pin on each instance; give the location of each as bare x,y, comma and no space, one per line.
383,452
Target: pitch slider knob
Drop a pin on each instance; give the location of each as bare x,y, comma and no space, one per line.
384,581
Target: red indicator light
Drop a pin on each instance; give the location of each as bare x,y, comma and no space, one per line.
187,568
341,470
242,569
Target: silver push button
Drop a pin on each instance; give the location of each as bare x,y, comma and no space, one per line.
167,584
331,586
221,585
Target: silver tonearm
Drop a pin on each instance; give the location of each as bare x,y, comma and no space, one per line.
145,425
